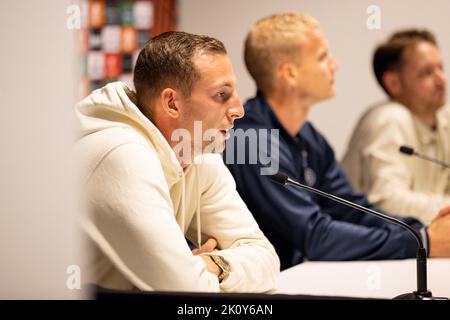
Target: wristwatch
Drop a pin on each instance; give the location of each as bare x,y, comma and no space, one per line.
223,265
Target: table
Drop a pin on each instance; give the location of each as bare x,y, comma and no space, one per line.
371,279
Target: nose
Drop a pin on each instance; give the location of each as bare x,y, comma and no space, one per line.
441,77
236,109
333,64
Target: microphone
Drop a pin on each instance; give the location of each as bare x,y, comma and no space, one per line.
411,152
421,257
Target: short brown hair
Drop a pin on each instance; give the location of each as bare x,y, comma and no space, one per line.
166,60
389,55
272,39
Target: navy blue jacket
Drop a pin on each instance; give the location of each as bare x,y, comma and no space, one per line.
300,224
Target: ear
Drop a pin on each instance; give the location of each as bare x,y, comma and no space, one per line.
391,81
169,99
288,73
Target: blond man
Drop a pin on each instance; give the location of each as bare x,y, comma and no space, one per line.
287,56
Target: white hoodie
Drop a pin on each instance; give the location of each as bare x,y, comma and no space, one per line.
143,204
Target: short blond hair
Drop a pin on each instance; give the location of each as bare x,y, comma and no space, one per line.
272,40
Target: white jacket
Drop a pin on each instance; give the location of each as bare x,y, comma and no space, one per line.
397,183
143,204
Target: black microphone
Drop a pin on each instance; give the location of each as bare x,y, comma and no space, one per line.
421,257
411,152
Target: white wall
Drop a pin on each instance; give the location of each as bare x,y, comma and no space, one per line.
38,207
352,44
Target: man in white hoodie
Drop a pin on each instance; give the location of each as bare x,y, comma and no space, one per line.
146,192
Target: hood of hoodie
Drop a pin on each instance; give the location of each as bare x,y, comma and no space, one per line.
113,106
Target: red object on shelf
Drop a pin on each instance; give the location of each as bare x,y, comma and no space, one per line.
113,65
164,16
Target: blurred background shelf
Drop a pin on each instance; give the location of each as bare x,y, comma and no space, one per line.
112,34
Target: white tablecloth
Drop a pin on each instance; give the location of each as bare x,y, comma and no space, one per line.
375,279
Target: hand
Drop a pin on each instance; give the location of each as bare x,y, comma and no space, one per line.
439,235
443,212
208,246
211,266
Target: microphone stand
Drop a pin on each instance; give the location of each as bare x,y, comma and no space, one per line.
411,152
422,293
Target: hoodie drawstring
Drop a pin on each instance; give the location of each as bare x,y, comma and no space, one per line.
183,208
197,209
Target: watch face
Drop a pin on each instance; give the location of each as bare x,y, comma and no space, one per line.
223,265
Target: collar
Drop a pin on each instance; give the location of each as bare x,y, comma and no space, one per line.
275,123
426,134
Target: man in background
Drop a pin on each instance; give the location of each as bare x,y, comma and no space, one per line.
287,56
409,68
